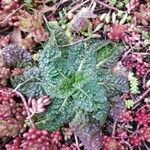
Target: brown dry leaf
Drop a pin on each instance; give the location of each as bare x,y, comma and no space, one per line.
46,9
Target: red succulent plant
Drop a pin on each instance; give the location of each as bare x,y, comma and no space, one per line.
12,114
143,17
33,140
111,143
117,32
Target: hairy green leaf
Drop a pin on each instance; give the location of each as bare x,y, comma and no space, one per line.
69,74
58,36
92,98
113,83
108,55
61,111
29,83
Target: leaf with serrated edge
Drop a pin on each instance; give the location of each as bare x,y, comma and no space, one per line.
69,74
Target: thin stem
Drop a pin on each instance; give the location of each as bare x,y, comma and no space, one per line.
82,91
78,6
74,3
144,78
26,107
63,104
141,97
81,65
130,49
128,144
31,115
77,142
19,85
105,5
92,36
146,146
114,128
6,18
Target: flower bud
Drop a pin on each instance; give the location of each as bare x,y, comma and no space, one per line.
107,18
113,17
70,16
123,20
102,17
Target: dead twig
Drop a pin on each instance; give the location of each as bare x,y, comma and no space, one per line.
105,5
2,22
53,8
73,3
128,144
141,98
26,107
147,147
77,6
130,49
114,128
144,78
77,142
